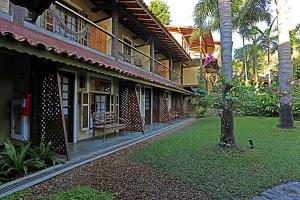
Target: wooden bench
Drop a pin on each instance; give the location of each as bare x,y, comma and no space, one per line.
107,122
173,114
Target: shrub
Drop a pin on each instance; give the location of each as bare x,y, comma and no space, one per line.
248,100
44,153
17,162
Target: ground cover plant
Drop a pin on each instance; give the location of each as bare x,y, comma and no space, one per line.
193,156
76,193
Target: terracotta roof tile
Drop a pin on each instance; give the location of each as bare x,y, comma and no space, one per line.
11,30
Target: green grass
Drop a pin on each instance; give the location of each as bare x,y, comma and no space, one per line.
79,193
76,193
193,156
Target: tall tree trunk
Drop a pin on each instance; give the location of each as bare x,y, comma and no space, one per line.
245,63
227,121
255,71
285,66
269,66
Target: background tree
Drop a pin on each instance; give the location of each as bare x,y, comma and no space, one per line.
267,41
161,10
285,66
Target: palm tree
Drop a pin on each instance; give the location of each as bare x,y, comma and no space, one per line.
285,66
217,15
227,121
267,41
251,12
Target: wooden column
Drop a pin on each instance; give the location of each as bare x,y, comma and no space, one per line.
181,71
171,67
115,32
152,55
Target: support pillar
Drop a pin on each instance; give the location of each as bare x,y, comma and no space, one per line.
115,32
152,55
171,67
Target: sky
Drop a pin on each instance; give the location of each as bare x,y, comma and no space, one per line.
182,14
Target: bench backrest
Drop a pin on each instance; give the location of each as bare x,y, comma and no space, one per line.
104,118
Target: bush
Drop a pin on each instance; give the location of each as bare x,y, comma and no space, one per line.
17,162
44,153
248,100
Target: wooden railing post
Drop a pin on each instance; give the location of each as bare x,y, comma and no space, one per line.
115,32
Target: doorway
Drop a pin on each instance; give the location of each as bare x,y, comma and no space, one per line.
67,93
148,103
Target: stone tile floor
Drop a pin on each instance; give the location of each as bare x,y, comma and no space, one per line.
287,191
88,146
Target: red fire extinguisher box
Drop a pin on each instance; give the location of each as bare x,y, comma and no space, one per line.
26,105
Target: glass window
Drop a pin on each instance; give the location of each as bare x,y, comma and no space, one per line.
99,103
99,85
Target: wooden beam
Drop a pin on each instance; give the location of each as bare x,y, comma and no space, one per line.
103,19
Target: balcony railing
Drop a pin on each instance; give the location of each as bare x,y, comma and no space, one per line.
72,26
75,27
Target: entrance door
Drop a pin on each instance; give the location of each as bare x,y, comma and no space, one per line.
67,93
147,106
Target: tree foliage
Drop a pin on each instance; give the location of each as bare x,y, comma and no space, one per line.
161,10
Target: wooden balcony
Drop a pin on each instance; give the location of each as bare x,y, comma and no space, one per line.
71,26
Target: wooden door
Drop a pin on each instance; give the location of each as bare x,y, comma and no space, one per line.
147,106
67,94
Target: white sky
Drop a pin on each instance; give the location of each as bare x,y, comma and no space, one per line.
182,14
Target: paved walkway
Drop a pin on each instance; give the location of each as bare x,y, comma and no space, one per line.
88,146
288,191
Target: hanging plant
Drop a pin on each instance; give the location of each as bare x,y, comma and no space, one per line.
210,63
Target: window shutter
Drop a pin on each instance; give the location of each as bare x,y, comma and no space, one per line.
85,111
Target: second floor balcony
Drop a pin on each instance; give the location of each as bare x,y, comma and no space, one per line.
95,29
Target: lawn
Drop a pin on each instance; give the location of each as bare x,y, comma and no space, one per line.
193,157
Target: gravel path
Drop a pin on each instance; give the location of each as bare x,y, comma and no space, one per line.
123,177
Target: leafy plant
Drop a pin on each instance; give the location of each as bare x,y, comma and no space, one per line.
16,162
44,153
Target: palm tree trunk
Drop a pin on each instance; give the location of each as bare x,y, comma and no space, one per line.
269,66
255,71
285,66
245,63
227,121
